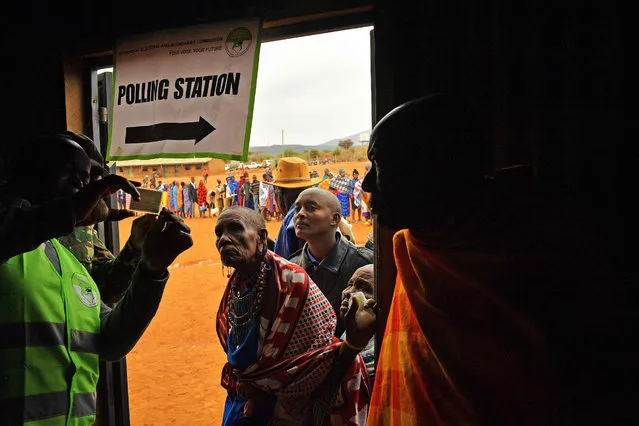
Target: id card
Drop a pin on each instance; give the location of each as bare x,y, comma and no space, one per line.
150,201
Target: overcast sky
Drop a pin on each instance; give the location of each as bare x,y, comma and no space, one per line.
315,88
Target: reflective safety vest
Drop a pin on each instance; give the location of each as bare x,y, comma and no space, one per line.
49,335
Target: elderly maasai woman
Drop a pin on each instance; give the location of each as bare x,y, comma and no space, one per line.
284,365
180,194
202,193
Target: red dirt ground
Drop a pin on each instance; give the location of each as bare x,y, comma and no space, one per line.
174,371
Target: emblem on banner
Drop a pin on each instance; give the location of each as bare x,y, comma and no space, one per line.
238,42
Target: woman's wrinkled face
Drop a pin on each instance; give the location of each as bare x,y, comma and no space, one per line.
363,280
237,241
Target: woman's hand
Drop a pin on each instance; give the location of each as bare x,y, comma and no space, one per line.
252,395
360,323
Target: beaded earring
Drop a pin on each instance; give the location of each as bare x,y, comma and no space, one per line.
228,271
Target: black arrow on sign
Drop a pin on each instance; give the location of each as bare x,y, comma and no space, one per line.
197,130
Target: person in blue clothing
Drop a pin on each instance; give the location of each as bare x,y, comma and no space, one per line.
355,192
232,185
291,177
342,183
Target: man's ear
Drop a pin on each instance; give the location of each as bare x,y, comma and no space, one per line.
336,219
270,244
263,233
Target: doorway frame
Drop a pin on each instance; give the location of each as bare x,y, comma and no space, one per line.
113,396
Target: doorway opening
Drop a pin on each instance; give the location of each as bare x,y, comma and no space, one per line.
313,101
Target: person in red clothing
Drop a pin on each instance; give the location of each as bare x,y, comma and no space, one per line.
202,194
240,185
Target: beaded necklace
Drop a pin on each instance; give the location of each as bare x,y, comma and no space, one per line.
245,306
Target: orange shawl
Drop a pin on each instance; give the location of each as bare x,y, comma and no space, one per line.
453,354
180,197
506,320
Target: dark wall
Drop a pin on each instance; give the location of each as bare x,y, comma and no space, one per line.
32,74
548,79
101,23
546,76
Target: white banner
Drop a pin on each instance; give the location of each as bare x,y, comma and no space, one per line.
185,92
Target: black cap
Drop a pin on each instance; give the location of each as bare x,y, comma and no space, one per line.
97,160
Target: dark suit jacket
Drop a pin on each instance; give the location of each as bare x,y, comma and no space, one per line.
333,273
192,193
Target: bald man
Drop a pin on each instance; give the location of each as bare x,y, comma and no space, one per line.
53,323
328,258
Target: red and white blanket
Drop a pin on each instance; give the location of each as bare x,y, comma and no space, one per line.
298,352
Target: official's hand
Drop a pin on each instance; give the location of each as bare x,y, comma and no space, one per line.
168,237
139,229
98,214
102,212
360,324
88,206
116,215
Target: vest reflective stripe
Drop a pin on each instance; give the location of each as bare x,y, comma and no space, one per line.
85,341
49,359
19,335
48,406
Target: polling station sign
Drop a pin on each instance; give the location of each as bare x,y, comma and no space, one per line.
185,92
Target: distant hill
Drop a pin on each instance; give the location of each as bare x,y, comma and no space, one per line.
332,144
277,149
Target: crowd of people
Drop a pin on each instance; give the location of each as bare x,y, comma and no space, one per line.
187,200
257,194
491,320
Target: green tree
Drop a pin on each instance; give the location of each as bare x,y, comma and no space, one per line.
313,154
254,156
337,152
288,152
345,144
